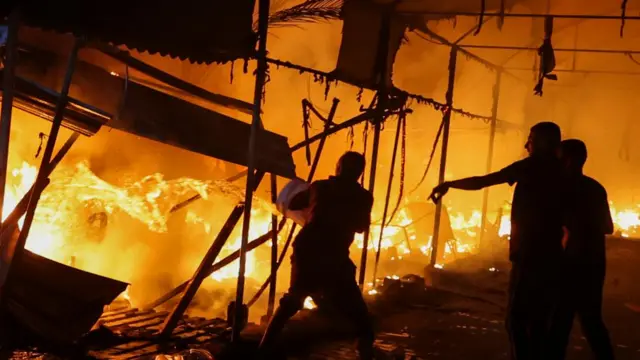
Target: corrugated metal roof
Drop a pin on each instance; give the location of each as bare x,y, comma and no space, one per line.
198,30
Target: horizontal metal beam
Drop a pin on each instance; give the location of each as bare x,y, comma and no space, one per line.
531,48
520,15
584,72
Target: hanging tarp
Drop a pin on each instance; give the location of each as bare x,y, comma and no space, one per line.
360,41
201,31
149,113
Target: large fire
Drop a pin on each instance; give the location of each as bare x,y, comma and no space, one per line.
75,208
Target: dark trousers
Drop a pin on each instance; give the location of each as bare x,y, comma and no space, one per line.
335,284
582,296
529,313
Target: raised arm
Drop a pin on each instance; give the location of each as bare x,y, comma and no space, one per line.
510,175
480,182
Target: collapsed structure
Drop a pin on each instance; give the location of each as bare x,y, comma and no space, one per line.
91,97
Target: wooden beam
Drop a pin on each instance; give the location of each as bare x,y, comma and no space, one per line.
202,272
256,129
215,267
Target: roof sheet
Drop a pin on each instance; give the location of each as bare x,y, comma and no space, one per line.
200,31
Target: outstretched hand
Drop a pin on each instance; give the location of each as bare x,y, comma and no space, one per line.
439,191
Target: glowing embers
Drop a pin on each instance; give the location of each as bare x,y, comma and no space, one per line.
396,288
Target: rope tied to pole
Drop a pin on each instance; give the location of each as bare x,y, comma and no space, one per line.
433,152
387,198
501,15
403,162
483,8
365,135
306,125
623,16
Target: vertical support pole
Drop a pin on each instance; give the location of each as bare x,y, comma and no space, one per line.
10,59
386,200
261,74
46,159
274,250
312,172
381,72
446,119
492,139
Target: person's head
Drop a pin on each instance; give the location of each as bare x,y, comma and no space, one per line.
351,165
573,154
544,138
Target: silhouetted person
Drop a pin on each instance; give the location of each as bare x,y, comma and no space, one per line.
535,248
589,222
320,265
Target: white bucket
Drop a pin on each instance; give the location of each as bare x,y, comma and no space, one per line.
293,188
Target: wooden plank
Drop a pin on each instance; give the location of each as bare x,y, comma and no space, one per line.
134,319
118,315
112,321
116,311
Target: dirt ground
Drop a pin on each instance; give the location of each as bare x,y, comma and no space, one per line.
459,318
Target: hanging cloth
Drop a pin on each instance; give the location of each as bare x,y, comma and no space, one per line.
547,57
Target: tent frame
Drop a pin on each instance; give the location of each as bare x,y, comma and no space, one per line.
382,111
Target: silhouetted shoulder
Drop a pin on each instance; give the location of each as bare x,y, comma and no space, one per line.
516,171
367,195
594,187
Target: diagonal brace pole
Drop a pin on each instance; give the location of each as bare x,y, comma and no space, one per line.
172,320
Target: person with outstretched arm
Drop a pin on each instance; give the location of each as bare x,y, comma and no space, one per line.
339,207
537,220
585,257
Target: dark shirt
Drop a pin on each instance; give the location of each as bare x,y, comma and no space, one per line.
339,208
537,213
589,221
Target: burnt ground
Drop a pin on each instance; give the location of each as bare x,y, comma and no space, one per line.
466,322
461,317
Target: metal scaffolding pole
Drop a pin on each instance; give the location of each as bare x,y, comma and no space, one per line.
492,138
261,75
520,15
383,94
43,172
10,59
394,155
274,250
443,157
535,49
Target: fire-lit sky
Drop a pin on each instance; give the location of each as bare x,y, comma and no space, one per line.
597,108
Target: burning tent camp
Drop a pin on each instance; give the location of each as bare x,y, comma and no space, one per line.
95,97
150,112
